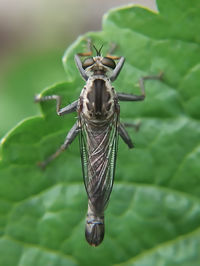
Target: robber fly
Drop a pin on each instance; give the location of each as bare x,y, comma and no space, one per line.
98,126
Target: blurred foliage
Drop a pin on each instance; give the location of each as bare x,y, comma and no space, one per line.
26,76
154,213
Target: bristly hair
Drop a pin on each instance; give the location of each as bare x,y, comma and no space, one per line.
98,51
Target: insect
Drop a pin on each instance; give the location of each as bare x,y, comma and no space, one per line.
98,126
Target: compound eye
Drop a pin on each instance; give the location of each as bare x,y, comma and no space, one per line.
106,61
87,62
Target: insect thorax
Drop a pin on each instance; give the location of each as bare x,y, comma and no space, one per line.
98,99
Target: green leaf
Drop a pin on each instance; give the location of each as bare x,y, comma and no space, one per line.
154,212
27,75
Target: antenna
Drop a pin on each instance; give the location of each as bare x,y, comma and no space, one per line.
98,51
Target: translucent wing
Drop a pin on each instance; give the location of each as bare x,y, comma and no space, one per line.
98,146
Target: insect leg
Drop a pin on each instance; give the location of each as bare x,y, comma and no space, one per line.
68,140
65,110
125,136
119,65
132,97
118,68
89,48
79,66
110,52
136,126
78,61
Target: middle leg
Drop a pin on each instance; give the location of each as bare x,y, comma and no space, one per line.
133,97
69,139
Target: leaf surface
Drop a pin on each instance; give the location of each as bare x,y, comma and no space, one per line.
154,212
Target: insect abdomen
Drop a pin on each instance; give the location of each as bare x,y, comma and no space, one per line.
94,229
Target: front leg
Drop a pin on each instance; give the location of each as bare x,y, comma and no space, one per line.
118,68
78,61
133,97
65,110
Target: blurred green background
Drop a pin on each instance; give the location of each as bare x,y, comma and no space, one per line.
33,38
